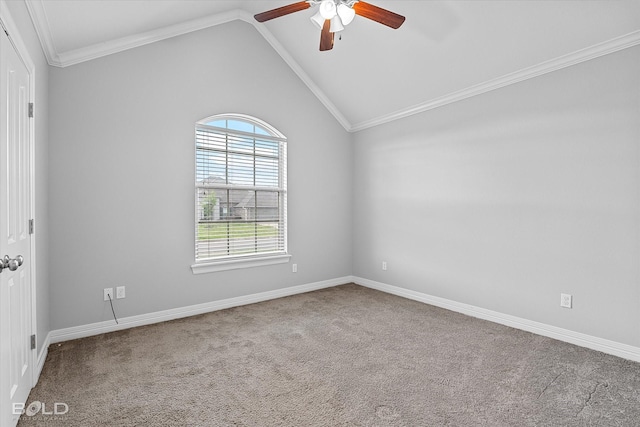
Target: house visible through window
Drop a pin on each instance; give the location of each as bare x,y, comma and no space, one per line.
241,184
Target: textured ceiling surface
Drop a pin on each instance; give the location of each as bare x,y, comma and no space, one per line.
446,50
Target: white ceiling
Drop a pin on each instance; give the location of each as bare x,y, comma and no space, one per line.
445,51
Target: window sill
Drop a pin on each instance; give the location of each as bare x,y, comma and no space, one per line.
233,264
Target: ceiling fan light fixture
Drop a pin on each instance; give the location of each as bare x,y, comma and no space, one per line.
333,15
327,9
318,20
346,14
336,24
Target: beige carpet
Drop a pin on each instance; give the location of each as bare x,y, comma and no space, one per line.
344,356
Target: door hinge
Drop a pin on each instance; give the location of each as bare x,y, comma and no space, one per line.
31,226
31,110
33,342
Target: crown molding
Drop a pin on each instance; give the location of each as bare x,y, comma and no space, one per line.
41,24
582,55
65,59
43,30
76,56
293,64
115,46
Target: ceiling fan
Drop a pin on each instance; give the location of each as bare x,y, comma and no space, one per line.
333,15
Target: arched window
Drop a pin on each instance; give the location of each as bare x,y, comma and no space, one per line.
241,193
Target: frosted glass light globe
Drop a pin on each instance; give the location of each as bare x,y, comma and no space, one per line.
328,9
336,24
318,20
346,14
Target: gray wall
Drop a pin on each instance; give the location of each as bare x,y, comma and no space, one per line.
122,173
22,20
502,201
505,200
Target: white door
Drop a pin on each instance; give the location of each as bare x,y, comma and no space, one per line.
15,286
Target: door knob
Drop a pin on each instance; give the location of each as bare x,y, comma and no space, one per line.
11,264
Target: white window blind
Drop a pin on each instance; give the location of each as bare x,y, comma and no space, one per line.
241,204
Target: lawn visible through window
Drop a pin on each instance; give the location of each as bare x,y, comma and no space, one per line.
240,188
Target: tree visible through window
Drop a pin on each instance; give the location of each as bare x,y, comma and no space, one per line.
240,188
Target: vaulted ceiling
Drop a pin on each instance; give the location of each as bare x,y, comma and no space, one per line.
444,52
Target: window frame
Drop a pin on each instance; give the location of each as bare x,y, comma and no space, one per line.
230,262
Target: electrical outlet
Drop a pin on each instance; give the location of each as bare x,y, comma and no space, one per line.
120,292
565,300
384,265
108,292
294,268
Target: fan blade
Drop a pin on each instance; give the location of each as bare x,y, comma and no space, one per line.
281,11
326,37
378,14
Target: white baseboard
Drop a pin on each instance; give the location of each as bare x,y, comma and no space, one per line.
606,346
82,331
42,356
